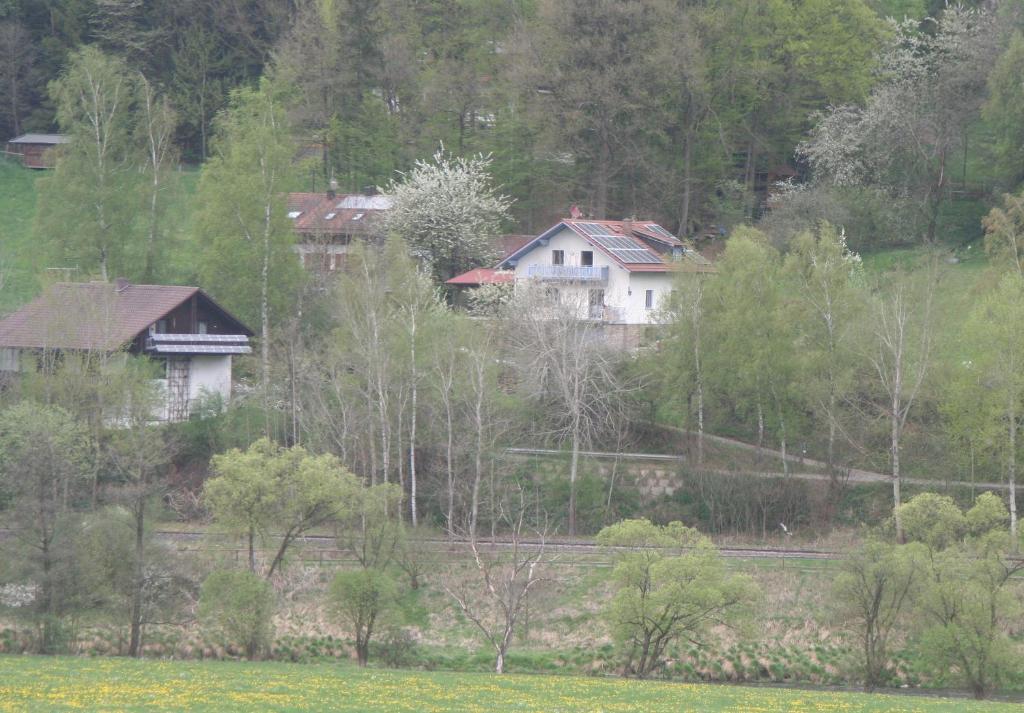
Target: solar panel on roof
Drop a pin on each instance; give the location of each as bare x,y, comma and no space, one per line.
201,349
594,229
636,255
659,230
615,242
199,338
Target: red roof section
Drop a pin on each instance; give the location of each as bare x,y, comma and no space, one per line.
340,214
483,276
505,245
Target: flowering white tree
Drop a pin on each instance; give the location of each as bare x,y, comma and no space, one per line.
915,121
448,212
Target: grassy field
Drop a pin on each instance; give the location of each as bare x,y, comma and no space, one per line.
108,684
19,263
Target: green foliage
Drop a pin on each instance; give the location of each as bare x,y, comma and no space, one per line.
287,489
988,514
364,599
934,520
1004,234
94,97
662,596
239,605
1005,106
873,595
243,229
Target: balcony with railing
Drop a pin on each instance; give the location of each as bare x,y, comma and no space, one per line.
568,273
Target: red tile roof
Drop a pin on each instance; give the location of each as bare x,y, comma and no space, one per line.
92,315
483,276
505,245
342,214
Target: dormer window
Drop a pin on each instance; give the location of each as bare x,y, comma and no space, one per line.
293,214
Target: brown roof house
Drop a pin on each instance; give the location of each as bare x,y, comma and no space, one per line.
182,328
327,223
36,150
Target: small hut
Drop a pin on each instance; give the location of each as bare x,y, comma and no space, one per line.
35,150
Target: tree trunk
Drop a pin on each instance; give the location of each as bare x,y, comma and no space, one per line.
896,499
265,317
573,470
450,469
684,209
135,643
252,549
412,427
1012,472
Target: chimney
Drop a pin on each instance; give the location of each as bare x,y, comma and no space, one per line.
332,188
121,283
574,212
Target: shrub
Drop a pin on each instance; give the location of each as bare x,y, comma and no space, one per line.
239,605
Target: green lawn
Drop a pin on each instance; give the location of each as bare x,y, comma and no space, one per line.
19,263
108,684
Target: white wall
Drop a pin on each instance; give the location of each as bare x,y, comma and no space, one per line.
624,290
212,374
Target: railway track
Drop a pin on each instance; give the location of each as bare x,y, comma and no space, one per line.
559,546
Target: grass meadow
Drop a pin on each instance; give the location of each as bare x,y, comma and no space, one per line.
35,684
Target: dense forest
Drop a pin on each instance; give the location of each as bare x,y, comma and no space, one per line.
682,111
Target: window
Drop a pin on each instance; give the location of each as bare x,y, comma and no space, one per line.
648,299
587,258
201,327
557,257
293,214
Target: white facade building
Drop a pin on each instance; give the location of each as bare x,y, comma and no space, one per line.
618,272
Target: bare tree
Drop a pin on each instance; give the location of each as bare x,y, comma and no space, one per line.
568,370
901,357
508,575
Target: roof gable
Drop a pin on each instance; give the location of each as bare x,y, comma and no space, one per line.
97,315
626,242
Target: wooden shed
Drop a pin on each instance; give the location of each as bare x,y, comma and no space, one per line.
35,150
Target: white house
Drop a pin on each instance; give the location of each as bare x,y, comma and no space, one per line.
182,328
618,271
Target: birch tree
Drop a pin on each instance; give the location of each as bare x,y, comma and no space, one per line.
826,276
95,180
686,316
157,124
996,353
901,358
247,238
